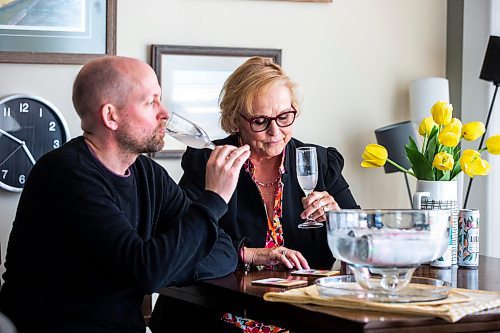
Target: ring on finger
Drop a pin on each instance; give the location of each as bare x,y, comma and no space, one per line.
284,251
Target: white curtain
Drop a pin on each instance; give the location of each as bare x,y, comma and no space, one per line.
482,19
493,188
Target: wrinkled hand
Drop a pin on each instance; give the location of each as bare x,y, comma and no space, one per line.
274,256
223,169
317,204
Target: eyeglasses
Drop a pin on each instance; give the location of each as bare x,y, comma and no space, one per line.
261,123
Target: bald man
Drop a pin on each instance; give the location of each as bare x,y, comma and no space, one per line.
99,225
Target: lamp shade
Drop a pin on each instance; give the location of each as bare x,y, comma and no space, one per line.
424,93
393,138
491,63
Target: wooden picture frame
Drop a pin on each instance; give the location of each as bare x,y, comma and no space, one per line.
191,78
307,0
88,31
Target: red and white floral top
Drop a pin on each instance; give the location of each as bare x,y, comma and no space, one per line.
274,238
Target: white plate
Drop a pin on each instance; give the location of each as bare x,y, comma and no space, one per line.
419,290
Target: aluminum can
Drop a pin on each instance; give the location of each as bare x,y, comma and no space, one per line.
468,238
449,257
446,260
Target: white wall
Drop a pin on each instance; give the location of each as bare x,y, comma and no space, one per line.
353,59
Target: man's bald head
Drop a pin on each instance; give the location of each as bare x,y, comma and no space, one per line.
101,81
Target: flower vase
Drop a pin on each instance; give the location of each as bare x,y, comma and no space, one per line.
440,195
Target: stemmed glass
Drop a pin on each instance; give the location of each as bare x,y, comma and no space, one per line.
307,175
187,132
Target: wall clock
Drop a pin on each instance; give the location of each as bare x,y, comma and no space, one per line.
30,126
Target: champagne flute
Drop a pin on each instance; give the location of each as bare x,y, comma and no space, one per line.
307,175
187,132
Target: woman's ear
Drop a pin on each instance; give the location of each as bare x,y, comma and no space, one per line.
236,127
109,116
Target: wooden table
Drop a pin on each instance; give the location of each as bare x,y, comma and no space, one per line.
235,293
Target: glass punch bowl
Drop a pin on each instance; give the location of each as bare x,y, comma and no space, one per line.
383,247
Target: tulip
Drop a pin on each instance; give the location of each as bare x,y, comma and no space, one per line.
448,139
473,130
473,165
374,156
443,161
441,113
450,135
493,145
455,126
426,126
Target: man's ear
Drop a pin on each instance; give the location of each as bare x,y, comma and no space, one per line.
109,116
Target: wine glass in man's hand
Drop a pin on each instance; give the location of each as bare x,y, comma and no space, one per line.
187,132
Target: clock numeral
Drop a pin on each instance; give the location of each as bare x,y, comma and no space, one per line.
4,173
22,179
40,114
56,144
52,126
24,107
6,111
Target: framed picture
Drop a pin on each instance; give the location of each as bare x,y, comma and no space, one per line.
191,78
308,0
56,31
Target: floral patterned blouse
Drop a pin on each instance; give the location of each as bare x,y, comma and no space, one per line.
274,238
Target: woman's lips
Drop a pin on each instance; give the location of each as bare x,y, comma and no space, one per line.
274,142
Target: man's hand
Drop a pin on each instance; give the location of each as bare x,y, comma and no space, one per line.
223,169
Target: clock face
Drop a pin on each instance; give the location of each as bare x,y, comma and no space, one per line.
29,127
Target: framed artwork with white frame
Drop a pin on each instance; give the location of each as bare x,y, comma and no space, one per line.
191,78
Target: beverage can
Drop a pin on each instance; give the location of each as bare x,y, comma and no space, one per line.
395,249
449,257
468,238
446,260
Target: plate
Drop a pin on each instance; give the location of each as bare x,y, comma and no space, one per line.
418,290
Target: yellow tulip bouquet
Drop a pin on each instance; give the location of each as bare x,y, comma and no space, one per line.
440,157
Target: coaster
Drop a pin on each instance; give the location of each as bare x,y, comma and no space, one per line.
280,282
315,272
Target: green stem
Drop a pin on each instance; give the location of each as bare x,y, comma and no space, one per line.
424,144
400,168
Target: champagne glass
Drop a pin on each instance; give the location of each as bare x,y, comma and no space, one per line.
187,132
307,175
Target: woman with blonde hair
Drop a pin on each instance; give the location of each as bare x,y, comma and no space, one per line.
259,106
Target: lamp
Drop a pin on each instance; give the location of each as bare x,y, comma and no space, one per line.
490,72
393,138
424,93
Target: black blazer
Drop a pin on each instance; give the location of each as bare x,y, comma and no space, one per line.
246,220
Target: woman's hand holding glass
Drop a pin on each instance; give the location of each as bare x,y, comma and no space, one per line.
275,256
317,204
307,176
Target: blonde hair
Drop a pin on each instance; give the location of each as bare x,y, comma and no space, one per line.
247,82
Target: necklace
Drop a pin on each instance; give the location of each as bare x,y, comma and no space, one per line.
266,184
